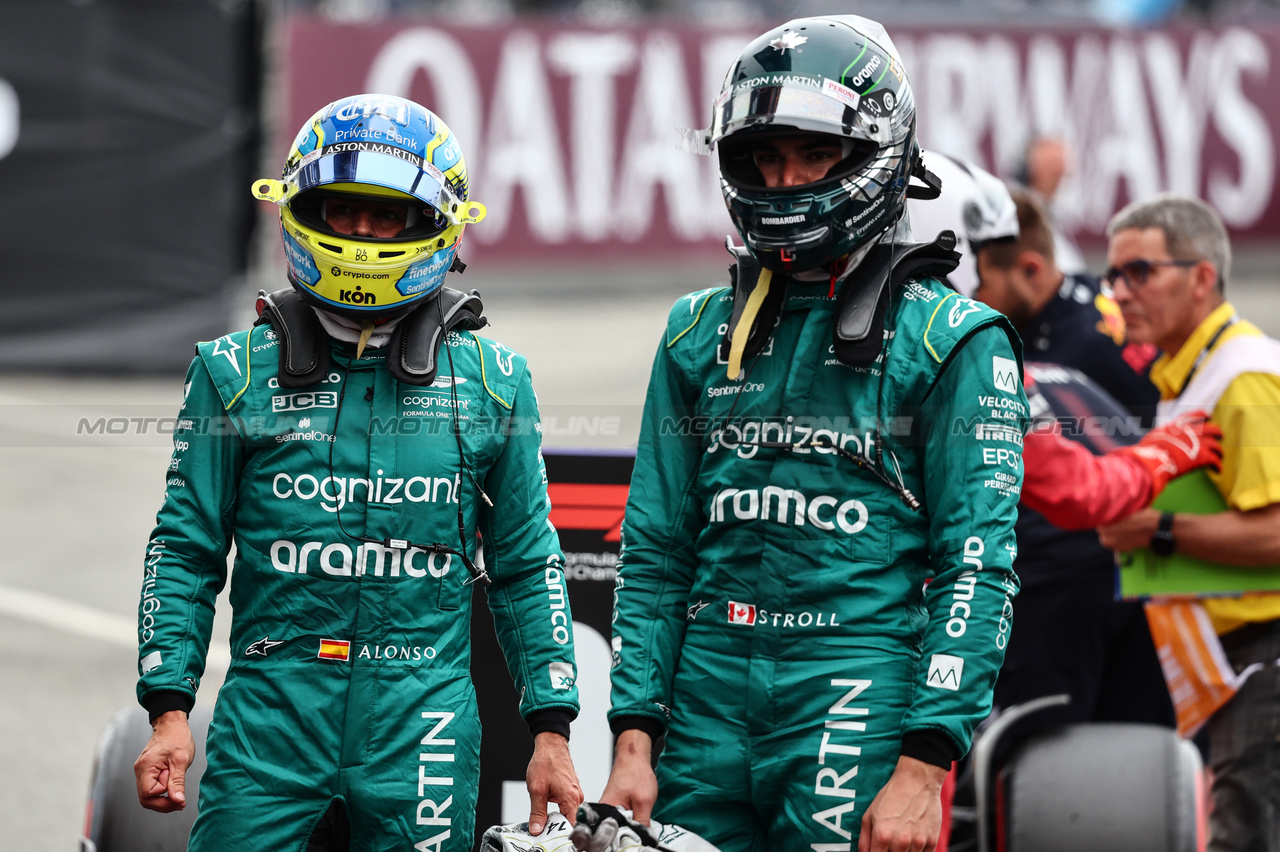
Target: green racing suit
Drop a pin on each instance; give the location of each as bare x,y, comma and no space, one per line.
349,699
781,613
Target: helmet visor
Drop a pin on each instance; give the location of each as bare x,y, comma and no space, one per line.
806,103
334,213
362,163
758,159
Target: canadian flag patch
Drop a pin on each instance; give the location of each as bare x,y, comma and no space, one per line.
740,613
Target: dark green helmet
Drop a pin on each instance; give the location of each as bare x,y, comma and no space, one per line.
838,75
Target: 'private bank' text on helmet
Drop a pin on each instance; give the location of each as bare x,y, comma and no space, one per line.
377,153
838,75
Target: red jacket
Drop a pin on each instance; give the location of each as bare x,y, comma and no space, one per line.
1073,488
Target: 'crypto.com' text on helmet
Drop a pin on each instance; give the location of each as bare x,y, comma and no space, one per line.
838,75
372,148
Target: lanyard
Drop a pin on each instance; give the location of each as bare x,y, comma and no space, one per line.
1207,350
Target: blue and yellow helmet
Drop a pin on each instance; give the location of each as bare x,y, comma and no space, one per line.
376,148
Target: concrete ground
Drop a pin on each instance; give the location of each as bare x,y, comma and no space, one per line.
80,508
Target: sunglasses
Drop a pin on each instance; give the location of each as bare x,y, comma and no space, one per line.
1136,272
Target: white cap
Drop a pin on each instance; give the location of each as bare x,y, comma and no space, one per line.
975,204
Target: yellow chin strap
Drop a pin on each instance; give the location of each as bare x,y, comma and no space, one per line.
366,331
738,342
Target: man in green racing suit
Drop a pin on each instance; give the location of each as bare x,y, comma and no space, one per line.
353,493
815,589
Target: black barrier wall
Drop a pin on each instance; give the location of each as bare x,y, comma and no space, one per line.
588,494
128,139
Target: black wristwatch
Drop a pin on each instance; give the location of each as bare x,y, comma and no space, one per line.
1162,543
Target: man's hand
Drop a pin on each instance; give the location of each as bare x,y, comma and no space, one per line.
1133,532
551,777
161,769
1180,446
632,783
906,815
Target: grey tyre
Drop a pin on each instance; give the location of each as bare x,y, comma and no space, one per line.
1102,788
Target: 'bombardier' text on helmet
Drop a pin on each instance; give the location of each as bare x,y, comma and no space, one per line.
372,150
838,75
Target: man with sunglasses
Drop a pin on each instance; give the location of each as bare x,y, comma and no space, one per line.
352,444
1076,638
1169,260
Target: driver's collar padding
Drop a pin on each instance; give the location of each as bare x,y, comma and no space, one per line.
411,353
858,332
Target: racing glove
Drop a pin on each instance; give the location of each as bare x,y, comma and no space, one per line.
604,828
1180,446
516,837
600,828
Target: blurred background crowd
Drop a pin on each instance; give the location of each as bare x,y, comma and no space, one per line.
1036,12
154,117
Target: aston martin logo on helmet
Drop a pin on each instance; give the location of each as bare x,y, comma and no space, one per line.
788,41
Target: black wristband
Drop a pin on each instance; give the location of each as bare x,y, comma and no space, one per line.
929,746
554,720
160,702
1162,542
648,724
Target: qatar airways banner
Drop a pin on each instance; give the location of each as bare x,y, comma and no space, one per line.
571,134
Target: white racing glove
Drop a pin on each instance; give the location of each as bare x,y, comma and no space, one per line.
608,836
604,828
600,828
555,837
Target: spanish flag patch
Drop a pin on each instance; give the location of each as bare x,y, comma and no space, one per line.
334,649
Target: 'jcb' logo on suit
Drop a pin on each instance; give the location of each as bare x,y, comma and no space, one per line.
300,401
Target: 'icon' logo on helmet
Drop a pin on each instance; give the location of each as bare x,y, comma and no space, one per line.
356,297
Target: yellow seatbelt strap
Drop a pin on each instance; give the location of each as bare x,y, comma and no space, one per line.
738,342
